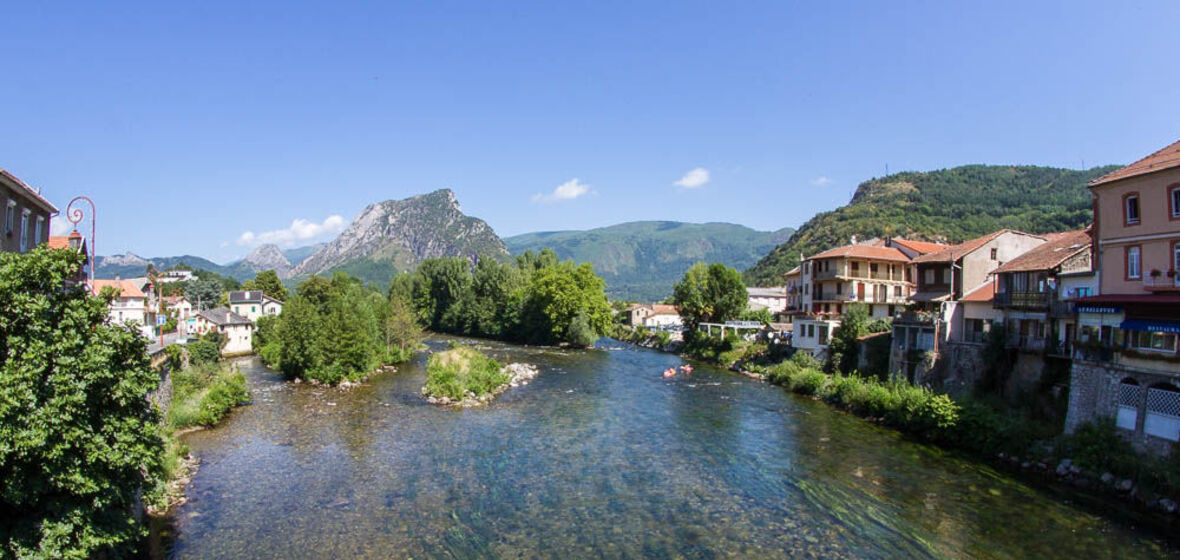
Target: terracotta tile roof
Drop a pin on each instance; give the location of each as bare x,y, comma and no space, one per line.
793,271
126,288
1050,254
864,252
983,293
921,247
662,309
957,251
29,191
1166,158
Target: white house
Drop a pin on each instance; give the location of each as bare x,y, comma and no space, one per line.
130,306
179,305
773,300
238,330
654,316
254,304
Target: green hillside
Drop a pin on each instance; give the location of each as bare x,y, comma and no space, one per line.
949,205
642,260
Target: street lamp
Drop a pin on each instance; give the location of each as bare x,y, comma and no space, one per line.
75,215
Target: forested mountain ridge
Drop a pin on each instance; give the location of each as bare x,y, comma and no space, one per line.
947,205
642,260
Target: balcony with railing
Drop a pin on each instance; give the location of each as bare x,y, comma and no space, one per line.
916,318
1023,300
1161,282
1026,342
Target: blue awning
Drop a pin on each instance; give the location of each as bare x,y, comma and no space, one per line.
1151,325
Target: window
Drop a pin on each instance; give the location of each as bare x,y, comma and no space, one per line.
37,232
946,275
1133,264
24,231
1131,209
839,288
897,291
1151,341
10,216
1082,292
929,276
994,253
1174,197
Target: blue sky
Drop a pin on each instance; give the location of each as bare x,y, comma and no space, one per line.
192,124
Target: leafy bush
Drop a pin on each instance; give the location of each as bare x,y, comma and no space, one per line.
581,333
203,351
202,395
79,441
462,371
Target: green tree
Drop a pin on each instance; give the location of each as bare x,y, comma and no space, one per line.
709,294
402,332
316,290
443,283
844,348
203,292
268,281
297,334
79,439
556,295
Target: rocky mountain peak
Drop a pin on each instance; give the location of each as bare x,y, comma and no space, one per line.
268,257
398,234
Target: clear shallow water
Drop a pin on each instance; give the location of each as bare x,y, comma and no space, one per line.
600,457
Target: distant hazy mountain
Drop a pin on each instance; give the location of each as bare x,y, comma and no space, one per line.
130,265
642,260
395,235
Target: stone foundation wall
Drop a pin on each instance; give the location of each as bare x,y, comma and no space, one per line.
1093,394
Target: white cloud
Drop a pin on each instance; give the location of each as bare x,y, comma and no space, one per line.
821,181
568,190
695,178
300,230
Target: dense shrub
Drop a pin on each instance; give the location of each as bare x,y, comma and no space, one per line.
202,395
462,372
79,439
203,351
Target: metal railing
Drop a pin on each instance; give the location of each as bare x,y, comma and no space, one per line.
1023,300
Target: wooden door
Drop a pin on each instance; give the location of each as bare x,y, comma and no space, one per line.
860,291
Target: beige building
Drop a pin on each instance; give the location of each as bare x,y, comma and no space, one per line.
773,299
238,330
26,215
794,284
131,305
1126,360
254,304
1029,292
874,275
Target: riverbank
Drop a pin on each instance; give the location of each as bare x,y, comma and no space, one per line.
1094,461
202,395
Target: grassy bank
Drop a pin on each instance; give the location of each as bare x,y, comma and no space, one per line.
201,396
1100,457
461,373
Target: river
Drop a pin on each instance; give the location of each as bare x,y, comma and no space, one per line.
600,457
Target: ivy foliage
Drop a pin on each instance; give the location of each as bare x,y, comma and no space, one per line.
78,436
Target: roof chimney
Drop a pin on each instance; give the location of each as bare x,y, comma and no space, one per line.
854,239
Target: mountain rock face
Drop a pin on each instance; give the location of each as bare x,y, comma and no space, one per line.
643,260
268,257
124,260
395,235
947,205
